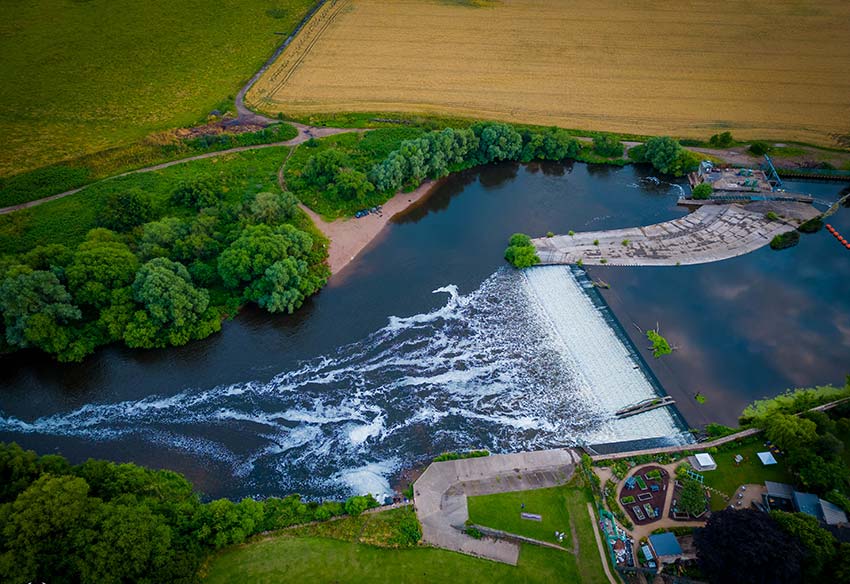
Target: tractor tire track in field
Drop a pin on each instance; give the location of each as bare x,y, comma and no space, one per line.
304,134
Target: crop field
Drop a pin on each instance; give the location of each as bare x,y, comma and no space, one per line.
762,69
79,76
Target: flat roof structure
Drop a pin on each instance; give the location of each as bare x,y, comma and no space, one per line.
703,461
780,490
665,545
808,503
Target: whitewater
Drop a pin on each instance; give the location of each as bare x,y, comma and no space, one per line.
531,359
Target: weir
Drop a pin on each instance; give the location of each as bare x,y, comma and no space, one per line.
609,371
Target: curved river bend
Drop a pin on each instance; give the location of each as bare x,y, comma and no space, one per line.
428,343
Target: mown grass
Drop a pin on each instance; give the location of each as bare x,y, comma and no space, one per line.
364,151
600,65
67,220
559,506
58,178
503,511
84,76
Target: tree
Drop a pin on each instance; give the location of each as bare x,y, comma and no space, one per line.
198,193
692,498
521,252
820,475
663,153
322,169
18,469
271,208
257,248
159,237
497,142
747,547
789,432
358,504
48,526
819,544
702,191
174,311
37,311
123,211
607,145
100,266
759,148
723,140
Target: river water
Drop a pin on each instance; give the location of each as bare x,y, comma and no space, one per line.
427,343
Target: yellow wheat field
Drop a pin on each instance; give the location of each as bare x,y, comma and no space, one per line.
776,69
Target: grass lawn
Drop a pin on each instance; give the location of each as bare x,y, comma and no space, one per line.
83,76
557,506
283,559
355,549
502,511
68,220
728,477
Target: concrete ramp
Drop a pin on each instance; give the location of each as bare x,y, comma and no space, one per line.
440,495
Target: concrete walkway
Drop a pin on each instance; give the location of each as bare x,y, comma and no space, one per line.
709,234
440,495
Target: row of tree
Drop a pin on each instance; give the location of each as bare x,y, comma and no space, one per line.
156,283
104,522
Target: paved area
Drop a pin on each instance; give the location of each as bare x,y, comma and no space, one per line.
709,234
440,495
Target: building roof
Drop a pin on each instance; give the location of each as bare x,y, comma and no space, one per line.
832,514
705,459
665,544
807,503
782,490
766,458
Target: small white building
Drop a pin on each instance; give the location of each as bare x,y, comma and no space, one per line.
702,462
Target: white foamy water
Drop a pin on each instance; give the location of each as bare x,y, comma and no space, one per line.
526,361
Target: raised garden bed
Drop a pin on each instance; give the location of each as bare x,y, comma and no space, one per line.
654,474
645,497
641,495
627,500
640,483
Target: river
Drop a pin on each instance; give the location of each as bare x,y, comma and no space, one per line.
428,342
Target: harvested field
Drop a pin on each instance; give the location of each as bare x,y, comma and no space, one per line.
773,70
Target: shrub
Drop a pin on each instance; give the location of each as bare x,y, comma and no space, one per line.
521,253
550,234
702,191
461,455
660,346
785,240
759,148
596,242
771,216
663,153
811,226
607,145
360,503
723,140
198,193
123,211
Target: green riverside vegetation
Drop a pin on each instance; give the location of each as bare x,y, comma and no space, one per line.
156,259
521,253
81,77
58,178
104,522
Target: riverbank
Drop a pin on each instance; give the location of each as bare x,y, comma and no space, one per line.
349,237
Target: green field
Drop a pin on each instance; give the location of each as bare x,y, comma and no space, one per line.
502,511
67,220
83,76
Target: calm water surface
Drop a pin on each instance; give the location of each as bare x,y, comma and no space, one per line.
378,371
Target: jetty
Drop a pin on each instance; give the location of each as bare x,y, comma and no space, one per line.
713,232
645,406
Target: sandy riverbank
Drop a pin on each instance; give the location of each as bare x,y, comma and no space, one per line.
351,236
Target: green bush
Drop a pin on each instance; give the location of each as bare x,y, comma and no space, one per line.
811,226
723,140
771,216
702,191
461,455
607,145
660,346
785,240
521,253
759,148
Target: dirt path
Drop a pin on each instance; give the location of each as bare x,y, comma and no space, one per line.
304,134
